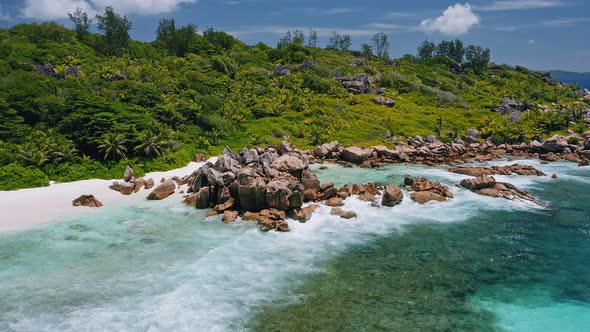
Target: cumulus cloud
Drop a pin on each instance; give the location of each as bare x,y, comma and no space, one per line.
455,20
58,9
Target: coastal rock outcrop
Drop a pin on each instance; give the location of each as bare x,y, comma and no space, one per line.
498,170
425,191
487,186
87,200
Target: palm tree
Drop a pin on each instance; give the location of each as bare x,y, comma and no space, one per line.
32,155
113,145
150,144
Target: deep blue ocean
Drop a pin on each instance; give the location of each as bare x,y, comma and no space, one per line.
581,79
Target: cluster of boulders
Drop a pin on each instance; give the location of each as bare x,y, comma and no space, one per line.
87,200
130,184
47,69
586,94
431,151
359,84
282,70
512,108
487,186
424,191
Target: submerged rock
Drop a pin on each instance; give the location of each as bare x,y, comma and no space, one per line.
336,211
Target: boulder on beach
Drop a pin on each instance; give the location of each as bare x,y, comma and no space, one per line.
125,188
163,190
129,175
149,183
87,200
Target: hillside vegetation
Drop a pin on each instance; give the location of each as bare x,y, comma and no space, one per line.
77,105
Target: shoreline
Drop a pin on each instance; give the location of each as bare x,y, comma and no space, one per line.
26,209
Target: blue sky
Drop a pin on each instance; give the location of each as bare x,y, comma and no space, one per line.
539,34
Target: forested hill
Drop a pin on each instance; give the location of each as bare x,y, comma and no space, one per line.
75,104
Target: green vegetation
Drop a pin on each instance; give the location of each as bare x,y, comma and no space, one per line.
77,105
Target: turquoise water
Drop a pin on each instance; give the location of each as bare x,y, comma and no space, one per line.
474,263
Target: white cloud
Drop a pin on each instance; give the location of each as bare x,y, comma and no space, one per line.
520,4
58,9
531,42
455,20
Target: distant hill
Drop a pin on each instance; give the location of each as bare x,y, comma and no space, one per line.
565,72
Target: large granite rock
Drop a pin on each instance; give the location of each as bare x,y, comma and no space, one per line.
327,149
125,188
284,192
163,190
356,155
87,200
392,196
129,174
251,190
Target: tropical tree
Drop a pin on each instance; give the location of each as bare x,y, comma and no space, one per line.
312,38
477,58
81,23
150,144
116,31
32,155
339,42
381,44
113,146
426,50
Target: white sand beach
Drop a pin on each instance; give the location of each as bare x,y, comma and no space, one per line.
28,208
